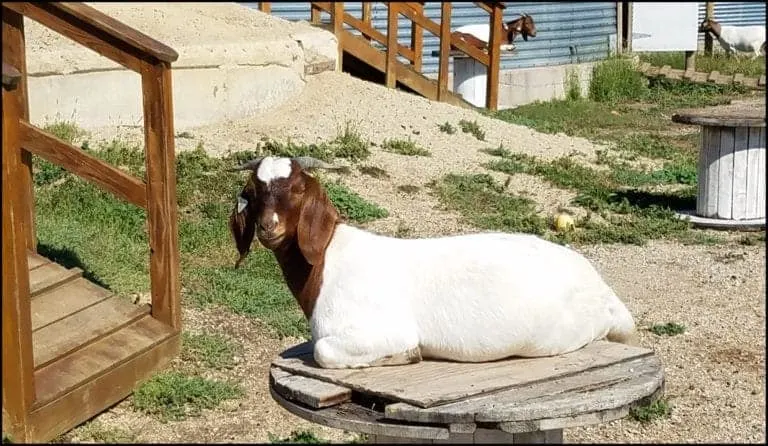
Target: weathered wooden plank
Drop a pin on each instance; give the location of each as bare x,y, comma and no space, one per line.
754,146
63,301
390,73
712,150
725,173
703,173
597,389
445,48
49,276
761,175
738,79
417,39
35,260
312,392
108,372
429,383
494,60
80,329
739,181
355,418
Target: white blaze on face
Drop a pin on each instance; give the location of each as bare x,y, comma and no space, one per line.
273,168
275,219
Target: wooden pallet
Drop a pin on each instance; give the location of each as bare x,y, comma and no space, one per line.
702,78
86,341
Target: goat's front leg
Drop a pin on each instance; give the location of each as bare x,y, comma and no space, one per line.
332,352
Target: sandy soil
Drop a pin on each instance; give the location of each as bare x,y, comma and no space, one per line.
715,371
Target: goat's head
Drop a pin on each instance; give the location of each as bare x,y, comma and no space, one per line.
709,25
282,204
523,25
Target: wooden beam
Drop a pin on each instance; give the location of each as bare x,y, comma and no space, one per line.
417,40
337,24
690,61
90,168
18,378
494,58
265,7
14,53
389,72
367,16
161,194
314,13
709,14
445,49
619,27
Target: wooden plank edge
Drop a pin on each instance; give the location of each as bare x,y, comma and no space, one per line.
135,315
324,395
42,261
104,295
65,276
114,385
330,417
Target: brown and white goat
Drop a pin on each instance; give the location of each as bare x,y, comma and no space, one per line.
479,35
748,39
373,300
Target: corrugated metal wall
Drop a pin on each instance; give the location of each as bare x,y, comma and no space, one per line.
734,13
561,39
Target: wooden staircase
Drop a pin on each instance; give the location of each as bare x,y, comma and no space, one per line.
410,75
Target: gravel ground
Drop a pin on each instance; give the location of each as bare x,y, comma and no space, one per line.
715,371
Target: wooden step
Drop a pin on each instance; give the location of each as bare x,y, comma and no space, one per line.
78,386
49,276
36,260
70,298
82,328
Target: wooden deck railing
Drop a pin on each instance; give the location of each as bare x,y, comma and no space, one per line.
414,11
157,193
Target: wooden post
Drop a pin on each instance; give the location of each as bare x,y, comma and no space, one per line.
494,59
265,7
391,67
367,16
445,50
14,55
690,61
417,39
619,27
628,27
18,366
337,22
314,14
710,14
161,193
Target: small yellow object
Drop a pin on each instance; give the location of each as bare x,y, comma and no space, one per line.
564,222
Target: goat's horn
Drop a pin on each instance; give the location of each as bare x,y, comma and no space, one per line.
307,162
250,165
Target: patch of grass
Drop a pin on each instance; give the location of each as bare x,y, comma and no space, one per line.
408,188
348,143
373,171
654,411
616,79
718,61
97,432
752,239
213,350
446,127
472,127
174,396
351,205
485,204
297,437
573,86
668,329
67,131
45,172
405,147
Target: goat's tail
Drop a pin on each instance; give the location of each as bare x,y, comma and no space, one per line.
623,329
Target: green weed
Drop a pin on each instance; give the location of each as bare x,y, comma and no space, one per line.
351,205
668,329
446,127
404,147
213,350
473,128
373,171
654,411
297,437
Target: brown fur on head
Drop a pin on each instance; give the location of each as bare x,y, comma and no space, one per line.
523,25
290,211
709,25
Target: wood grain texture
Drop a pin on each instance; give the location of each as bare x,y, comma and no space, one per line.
367,16
101,388
14,53
35,260
313,393
712,154
17,366
417,39
740,169
431,383
390,69
494,60
50,276
82,328
445,48
65,300
162,217
84,165
336,10
725,173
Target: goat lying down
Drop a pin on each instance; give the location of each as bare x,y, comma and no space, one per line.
373,300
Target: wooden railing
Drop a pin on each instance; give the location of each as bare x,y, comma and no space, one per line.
414,11
157,193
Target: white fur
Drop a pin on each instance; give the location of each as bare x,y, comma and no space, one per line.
473,298
275,218
241,203
748,39
273,168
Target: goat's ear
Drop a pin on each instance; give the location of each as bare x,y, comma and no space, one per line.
317,220
242,224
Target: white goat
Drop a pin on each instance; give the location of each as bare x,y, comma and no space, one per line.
750,39
373,300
